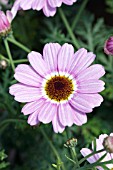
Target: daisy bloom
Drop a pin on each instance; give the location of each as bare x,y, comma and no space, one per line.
96,157
59,87
48,6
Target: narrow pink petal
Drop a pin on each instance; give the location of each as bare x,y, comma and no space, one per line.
81,61
32,106
81,104
57,126
93,100
50,55
33,119
48,10
55,3
66,115
9,16
93,72
85,152
80,118
38,5
25,5
26,75
69,2
38,63
47,112
15,7
91,86
65,57
25,93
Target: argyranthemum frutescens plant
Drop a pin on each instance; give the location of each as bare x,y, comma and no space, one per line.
58,86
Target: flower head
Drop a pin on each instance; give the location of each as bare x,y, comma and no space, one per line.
48,6
108,47
59,87
5,23
96,157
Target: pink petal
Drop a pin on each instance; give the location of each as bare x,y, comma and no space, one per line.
81,104
85,152
47,112
48,10
91,86
32,106
69,2
25,5
55,3
25,93
38,63
93,72
50,54
33,119
80,118
81,61
26,75
57,126
65,57
38,5
66,115
93,100
9,16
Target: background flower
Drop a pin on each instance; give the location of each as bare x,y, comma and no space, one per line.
99,146
48,6
59,87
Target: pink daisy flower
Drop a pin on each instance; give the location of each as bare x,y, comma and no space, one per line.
59,87
48,6
5,22
99,146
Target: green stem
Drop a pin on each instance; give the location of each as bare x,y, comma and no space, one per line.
75,157
52,147
4,58
9,53
20,61
68,27
81,9
12,40
91,154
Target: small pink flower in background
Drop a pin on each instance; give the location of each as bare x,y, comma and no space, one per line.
59,87
4,2
48,6
108,47
5,22
99,146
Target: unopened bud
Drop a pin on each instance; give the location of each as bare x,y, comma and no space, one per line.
108,47
3,64
108,144
71,143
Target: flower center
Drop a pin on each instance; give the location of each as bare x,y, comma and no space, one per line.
59,88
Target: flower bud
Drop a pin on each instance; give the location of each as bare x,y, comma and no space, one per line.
5,23
3,64
108,144
71,143
108,47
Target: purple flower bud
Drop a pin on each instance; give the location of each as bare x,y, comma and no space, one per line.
5,23
108,144
108,47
